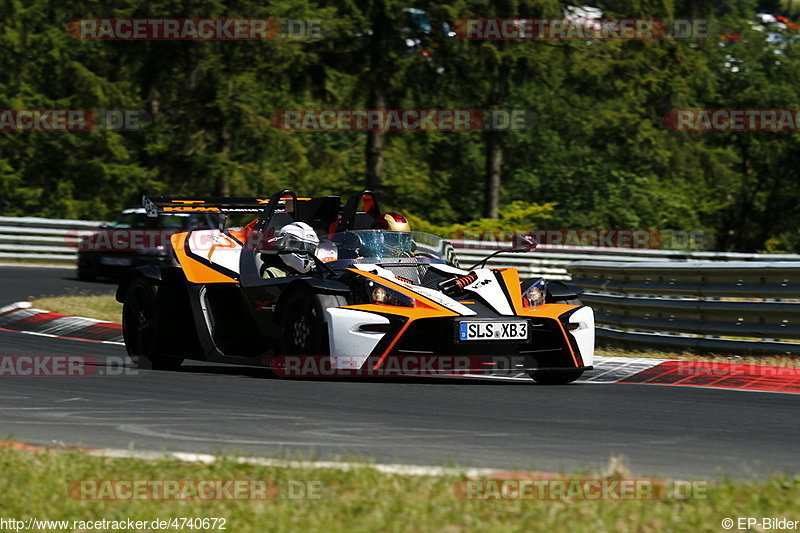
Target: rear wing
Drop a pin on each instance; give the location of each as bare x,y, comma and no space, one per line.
321,213
156,205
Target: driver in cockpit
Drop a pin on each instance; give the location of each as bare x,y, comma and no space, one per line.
280,262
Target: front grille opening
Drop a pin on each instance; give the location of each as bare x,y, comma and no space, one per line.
375,328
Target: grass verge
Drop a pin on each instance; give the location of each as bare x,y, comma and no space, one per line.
37,485
103,307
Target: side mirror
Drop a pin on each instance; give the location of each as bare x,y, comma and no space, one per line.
521,244
524,243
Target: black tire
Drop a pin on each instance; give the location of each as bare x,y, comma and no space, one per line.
144,329
86,271
304,329
86,276
561,377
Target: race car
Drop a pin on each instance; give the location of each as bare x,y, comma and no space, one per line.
133,239
374,301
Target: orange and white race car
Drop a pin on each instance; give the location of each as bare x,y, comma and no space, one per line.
372,301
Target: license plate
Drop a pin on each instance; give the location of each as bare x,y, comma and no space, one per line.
493,331
116,261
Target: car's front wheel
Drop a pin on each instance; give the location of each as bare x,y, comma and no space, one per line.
144,328
304,329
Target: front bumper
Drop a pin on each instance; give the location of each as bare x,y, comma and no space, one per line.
549,348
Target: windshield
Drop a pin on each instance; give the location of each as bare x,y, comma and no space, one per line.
378,245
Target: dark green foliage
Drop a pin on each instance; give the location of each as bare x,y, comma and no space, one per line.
598,150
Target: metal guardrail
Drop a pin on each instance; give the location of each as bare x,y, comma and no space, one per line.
55,240
552,261
730,307
42,239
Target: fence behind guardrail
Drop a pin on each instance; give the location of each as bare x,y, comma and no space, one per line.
730,307
41,239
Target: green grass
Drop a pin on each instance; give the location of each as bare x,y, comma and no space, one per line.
103,307
36,485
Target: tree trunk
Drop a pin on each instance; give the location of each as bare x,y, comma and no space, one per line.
374,150
223,185
494,167
377,78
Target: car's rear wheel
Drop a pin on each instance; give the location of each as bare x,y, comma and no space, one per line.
559,377
144,328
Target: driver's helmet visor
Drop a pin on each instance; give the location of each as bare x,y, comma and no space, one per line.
295,243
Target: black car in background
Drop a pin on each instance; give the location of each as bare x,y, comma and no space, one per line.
133,240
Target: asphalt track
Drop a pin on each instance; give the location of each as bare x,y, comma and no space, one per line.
661,430
19,283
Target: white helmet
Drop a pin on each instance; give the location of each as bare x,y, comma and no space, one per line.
301,237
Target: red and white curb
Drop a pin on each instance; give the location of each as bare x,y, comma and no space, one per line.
714,374
24,318
616,369
784,378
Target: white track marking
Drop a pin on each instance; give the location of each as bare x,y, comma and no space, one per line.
401,469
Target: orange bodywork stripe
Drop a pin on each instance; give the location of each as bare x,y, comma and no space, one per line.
547,310
196,272
239,235
412,313
402,289
391,345
569,344
511,279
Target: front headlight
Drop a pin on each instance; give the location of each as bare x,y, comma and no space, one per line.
383,295
535,294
